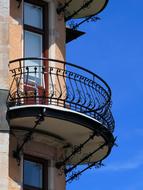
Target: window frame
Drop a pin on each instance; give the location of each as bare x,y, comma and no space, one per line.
45,39
45,30
44,164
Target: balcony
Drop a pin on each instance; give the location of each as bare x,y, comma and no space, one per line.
74,102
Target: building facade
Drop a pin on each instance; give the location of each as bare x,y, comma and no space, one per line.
54,115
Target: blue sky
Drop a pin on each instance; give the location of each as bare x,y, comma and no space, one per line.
113,49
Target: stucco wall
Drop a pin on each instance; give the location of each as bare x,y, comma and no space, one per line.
15,31
15,170
4,43
56,32
4,57
56,51
4,168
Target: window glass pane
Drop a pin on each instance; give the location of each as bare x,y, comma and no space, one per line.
33,44
33,174
33,15
33,48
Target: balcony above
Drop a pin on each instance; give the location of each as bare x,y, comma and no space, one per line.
82,9
74,102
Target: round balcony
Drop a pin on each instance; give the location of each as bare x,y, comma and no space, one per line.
72,104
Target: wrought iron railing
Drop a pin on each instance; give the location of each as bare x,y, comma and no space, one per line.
54,82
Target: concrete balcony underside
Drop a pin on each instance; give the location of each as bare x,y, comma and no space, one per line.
62,128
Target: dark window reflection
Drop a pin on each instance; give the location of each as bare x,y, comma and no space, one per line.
33,174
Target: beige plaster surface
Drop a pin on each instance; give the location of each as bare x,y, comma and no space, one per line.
4,159
4,43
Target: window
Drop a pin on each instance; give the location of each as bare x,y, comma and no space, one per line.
36,18
35,38
35,173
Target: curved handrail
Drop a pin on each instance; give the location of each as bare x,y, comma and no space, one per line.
55,82
63,62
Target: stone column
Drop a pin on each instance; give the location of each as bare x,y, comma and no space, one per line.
51,175
4,127
4,43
